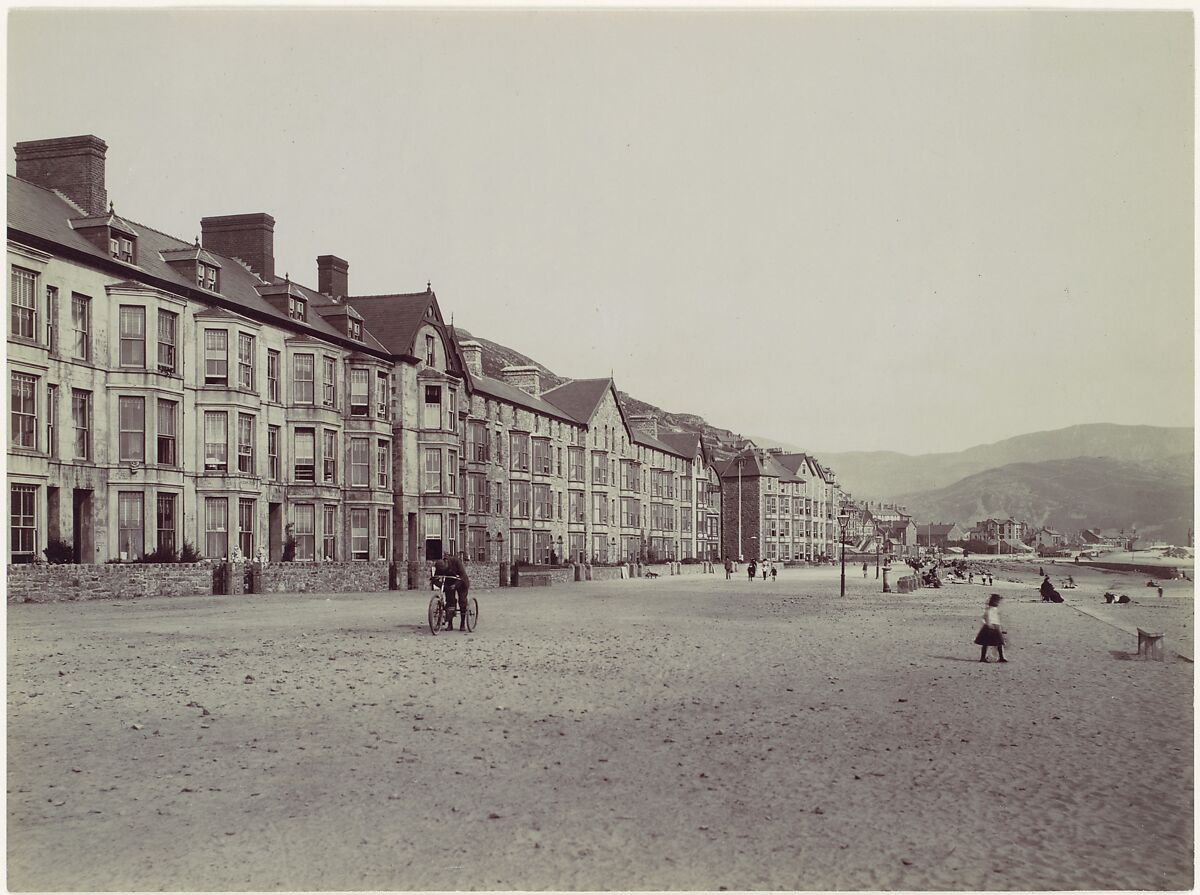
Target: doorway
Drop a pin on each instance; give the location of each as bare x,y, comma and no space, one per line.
82,531
275,531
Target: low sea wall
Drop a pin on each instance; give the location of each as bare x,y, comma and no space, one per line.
47,583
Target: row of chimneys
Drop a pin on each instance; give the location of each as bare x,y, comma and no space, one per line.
74,167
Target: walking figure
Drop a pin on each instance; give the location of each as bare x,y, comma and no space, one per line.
750,570
728,569
775,572
864,570
990,633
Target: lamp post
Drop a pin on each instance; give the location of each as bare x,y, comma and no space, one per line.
877,535
843,518
741,555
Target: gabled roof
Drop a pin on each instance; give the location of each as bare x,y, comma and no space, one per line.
580,397
648,440
685,444
502,391
46,215
395,319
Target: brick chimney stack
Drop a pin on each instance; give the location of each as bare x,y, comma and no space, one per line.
72,165
527,379
333,276
472,353
250,237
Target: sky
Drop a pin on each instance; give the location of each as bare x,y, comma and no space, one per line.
843,230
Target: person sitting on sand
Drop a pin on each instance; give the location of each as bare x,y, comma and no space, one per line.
1049,594
990,633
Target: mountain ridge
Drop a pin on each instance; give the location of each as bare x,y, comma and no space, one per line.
1150,468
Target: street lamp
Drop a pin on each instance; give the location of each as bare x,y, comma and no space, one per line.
843,518
741,556
878,535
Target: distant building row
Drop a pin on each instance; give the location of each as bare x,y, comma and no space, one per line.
164,392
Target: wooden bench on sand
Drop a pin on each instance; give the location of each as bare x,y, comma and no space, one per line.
1150,644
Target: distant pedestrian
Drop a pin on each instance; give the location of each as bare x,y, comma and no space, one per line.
990,633
750,570
1041,572
728,569
864,570
765,571
971,577
775,572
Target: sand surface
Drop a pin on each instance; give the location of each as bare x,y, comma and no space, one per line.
686,733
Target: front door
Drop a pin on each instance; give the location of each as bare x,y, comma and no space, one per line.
82,538
275,531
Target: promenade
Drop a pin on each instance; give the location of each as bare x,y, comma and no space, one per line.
678,733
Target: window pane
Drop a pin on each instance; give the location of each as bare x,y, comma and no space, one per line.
216,527
132,413
130,537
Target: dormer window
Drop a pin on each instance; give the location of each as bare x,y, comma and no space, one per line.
206,276
297,308
356,330
429,353
121,248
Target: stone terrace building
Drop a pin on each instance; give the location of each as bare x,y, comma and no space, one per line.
783,502
165,392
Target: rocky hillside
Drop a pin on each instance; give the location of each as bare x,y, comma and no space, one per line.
887,475
1082,492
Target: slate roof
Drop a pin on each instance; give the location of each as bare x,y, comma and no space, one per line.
648,440
579,397
45,214
502,391
394,319
685,444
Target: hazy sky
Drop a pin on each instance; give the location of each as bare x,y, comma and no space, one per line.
908,230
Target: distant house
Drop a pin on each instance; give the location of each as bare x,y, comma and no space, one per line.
1005,534
940,534
899,536
1048,538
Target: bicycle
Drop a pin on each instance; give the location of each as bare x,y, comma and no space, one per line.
438,613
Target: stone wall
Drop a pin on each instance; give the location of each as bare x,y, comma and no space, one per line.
45,583
606,573
325,577
483,575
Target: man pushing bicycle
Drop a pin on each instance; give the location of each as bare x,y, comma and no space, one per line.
457,584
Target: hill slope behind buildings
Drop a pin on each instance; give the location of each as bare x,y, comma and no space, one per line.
887,475
1067,495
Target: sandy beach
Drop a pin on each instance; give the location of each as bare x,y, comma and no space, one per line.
679,733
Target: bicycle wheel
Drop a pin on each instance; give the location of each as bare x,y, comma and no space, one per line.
472,613
437,616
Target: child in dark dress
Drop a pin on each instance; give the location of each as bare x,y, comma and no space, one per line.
990,633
